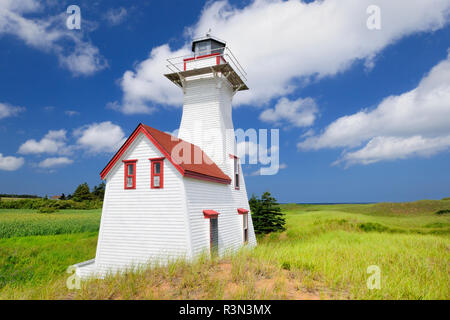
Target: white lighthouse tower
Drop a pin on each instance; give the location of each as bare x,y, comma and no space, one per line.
209,79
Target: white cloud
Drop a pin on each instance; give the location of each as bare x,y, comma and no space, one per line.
10,163
299,113
54,142
100,137
84,60
147,84
280,42
71,113
392,148
55,162
7,110
50,35
116,16
415,123
259,173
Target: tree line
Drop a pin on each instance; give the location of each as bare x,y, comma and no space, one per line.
83,193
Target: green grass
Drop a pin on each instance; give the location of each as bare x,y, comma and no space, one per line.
325,252
35,261
23,222
337,247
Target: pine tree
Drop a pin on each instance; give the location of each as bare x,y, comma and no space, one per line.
82,193
63,197
266,214
99,191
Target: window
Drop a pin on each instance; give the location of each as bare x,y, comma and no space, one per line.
244,213
245,217
157,173
236,173
214,235
130,174
203,48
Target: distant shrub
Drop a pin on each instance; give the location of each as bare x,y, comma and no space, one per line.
448,198
444,211
372,227
47,210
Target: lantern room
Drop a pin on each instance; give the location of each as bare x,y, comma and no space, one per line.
207,45
210,57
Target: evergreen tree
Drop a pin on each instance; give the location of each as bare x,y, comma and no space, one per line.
266,214
63,197
99,191
82,193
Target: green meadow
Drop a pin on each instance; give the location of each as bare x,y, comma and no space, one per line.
324,254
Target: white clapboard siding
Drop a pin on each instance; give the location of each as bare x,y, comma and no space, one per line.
143,224
207,122
207,119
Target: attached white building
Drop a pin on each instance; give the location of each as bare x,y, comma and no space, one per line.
178,197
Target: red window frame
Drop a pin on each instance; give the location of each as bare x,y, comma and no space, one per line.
153,162
237,175
127,175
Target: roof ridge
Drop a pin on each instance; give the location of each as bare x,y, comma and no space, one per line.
166,142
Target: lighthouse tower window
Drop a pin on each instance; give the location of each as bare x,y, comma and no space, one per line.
236,173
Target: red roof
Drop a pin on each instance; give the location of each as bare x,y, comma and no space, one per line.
205,169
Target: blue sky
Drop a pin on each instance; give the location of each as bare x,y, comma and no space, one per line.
364,115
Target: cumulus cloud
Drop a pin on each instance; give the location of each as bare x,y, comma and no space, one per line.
415,123
282,42
10,163
7,110
93,138
146,85
391,148
100,137
54,142
299,113
50,35
258,172
116,16
55,162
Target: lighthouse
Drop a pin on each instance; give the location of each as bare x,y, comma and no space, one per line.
178,197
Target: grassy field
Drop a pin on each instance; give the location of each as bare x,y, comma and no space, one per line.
26,222
324,253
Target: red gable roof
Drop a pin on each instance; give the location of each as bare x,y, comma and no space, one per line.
196,165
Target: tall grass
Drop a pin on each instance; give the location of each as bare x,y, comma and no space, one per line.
324,254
